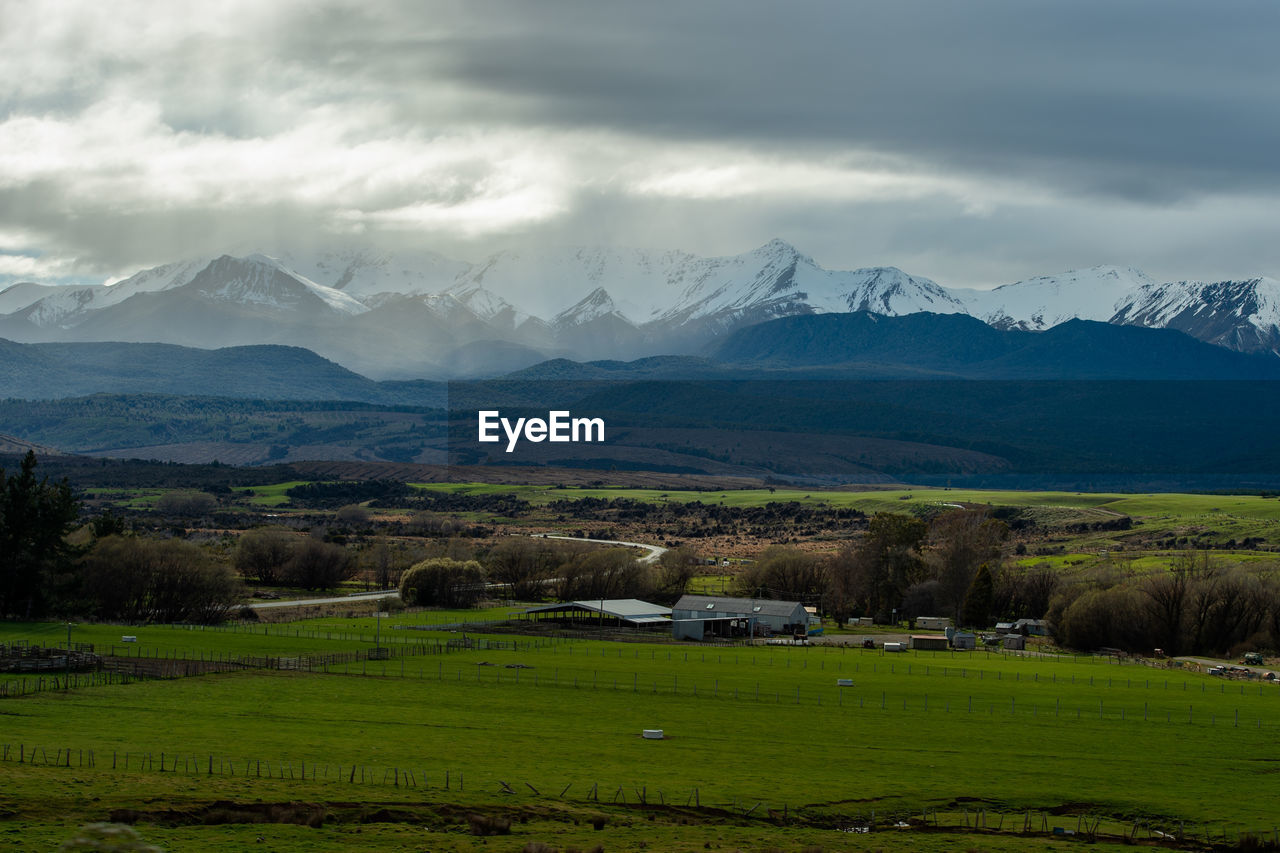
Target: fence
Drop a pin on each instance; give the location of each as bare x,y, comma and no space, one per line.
125,664
682,803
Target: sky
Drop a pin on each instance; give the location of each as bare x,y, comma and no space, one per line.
975,143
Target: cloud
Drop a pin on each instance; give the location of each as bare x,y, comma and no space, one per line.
985,141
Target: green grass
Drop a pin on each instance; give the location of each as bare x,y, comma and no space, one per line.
915,731
898,500
268,496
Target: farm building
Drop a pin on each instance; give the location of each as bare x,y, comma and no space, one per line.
964,640
696,617
611,612
1015,642
932,623
934,642
1031,627
1004,628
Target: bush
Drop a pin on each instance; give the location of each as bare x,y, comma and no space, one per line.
139,580
261,555
186,503
442,582
318,565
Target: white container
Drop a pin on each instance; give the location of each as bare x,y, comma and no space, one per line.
895,647
844,682
652,734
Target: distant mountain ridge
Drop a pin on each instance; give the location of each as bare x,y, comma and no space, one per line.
422,314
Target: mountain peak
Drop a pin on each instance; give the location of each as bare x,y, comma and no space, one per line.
779,248
598,303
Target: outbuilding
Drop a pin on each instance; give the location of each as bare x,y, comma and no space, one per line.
1031,627
696,617
964,640
931,642
1014,642
617,612
933,623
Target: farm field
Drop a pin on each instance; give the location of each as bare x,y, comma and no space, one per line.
1252,506
763,748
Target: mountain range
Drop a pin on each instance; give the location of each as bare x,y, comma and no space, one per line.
423,315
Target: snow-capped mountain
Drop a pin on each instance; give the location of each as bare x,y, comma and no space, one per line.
363,273
776,280
1040,303
595,305
1238,315
419,314
18,296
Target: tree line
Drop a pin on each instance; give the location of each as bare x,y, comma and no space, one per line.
1196,607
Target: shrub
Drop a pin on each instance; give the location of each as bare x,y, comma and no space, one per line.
442,582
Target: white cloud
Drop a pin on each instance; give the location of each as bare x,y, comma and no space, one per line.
137,132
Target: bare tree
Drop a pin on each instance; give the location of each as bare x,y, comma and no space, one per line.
960,542
261,555
318,565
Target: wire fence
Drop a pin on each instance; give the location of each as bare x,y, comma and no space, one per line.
125,664
685,801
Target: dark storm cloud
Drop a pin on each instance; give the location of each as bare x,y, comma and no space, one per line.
973,142
1149,100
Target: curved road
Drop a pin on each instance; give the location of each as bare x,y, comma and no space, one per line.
341,599
655,551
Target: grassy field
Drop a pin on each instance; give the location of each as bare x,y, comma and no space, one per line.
749,730
1251,507
268,496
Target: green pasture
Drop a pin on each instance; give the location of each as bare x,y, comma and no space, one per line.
268,496
1183,506
759,724
129,498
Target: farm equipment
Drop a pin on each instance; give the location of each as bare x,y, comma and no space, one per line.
1252,659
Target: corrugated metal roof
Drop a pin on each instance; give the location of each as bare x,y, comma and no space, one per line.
632,609
748,606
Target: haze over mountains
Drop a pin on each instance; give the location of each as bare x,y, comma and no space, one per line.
427,316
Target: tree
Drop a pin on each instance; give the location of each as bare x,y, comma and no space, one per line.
261,555
784,573
186,503
141,580
604,573
522,563
976,612
890,557
674,571
318,565
963,540
35,517
443,582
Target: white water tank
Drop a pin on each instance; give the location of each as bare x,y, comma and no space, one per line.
652,734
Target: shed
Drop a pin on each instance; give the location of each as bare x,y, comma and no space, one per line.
1031,627
1004,627
935,642
778,616
1014,642
630,612
964,640
933,623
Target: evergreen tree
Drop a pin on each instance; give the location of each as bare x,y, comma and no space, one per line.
35,517
976,612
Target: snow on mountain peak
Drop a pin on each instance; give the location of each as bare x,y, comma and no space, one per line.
258,279
596,304
1039,303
